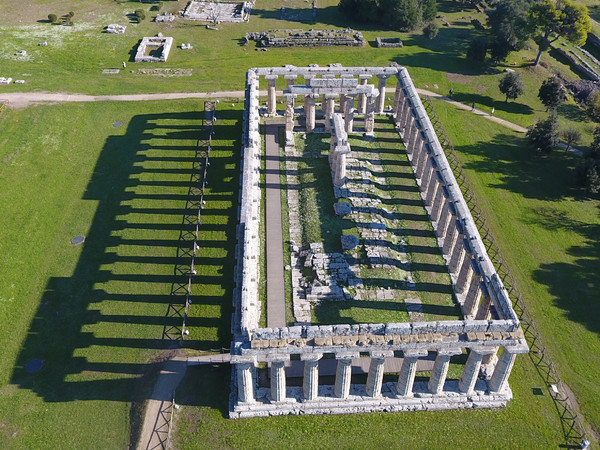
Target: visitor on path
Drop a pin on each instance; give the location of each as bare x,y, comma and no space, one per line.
493,110
473,109
451,93
124,65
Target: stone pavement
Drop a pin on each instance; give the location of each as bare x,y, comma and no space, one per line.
274,233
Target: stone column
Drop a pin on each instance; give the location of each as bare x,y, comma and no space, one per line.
271,95
474,292
381,99
375,377
468,378
370,114
431,187
310,384
277,376
422,164
466,269
440,370
343,374
408,371
447,217
438,200
483,312
343,104
458,249
398,99
309,111
349,115
362,98
340,170
450,237
504,365
329,101
245,366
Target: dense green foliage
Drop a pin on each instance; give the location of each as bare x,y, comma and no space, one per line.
543,136
395,14
478,48
552,93
507,21
431,30
511,85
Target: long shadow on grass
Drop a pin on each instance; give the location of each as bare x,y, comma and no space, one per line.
90,327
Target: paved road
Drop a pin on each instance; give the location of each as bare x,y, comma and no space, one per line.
275,280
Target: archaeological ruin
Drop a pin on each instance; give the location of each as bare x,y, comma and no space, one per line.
346,37
154,49
217,12
302,367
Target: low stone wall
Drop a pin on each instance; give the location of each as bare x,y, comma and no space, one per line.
589,73
157,41
312,38
389,42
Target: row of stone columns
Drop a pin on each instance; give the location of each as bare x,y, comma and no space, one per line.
456,248
404,386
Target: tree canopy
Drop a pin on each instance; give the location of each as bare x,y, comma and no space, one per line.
551,19
511,85
543,136
508,27
552,93
396,14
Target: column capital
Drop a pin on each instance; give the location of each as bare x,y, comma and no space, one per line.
365,76
347,356
243,359
311,356
415,353
383,76
277,357
483,350
271,77
520,347
449,351
382,354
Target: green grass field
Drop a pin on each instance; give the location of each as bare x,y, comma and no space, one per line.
119,173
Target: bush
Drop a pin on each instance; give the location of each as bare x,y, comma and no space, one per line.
431,30
594,106
588,173
511,85
543,136
477,49
571,136
71,14
140,15
52,18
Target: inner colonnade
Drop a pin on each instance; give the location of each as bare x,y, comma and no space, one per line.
489,334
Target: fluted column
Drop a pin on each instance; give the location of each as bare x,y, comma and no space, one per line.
309,111
438,200
278,385
343,104
362,98
310,384
329,101
431,187
370,114
343,374
375,377
349,115
271,95
466,269
289,113
504,366
447,216
474,292
290,80
458,250
340,170
422,164
398,99
468,378
408,116
450,236
245,366
483,311
381,99
440,370
406,379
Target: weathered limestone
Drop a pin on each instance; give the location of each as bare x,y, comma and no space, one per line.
161,45
349,114
440,370
406,379
310,386
475,282
381,99
375,377
309,110
343,374
271,95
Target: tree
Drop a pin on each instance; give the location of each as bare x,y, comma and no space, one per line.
543,136
552,93
52,18
428,10
508,27
477,49
551,19
431,30
571,136
400,14
511,85
140,15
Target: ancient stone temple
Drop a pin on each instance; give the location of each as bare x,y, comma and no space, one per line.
489,334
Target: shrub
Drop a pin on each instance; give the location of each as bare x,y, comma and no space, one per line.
477,49
71,14
543,136
571,136
140,14
431,30
594,106
511,85
52,18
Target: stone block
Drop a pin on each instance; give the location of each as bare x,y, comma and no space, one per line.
398,329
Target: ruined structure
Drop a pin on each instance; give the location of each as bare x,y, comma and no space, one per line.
216,12
312,38
489,334
154,49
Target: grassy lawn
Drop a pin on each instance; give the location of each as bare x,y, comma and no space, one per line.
548,234
95,313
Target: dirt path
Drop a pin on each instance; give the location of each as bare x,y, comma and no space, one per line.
155,430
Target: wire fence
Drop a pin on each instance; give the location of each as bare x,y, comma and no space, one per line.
188,244
572,425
